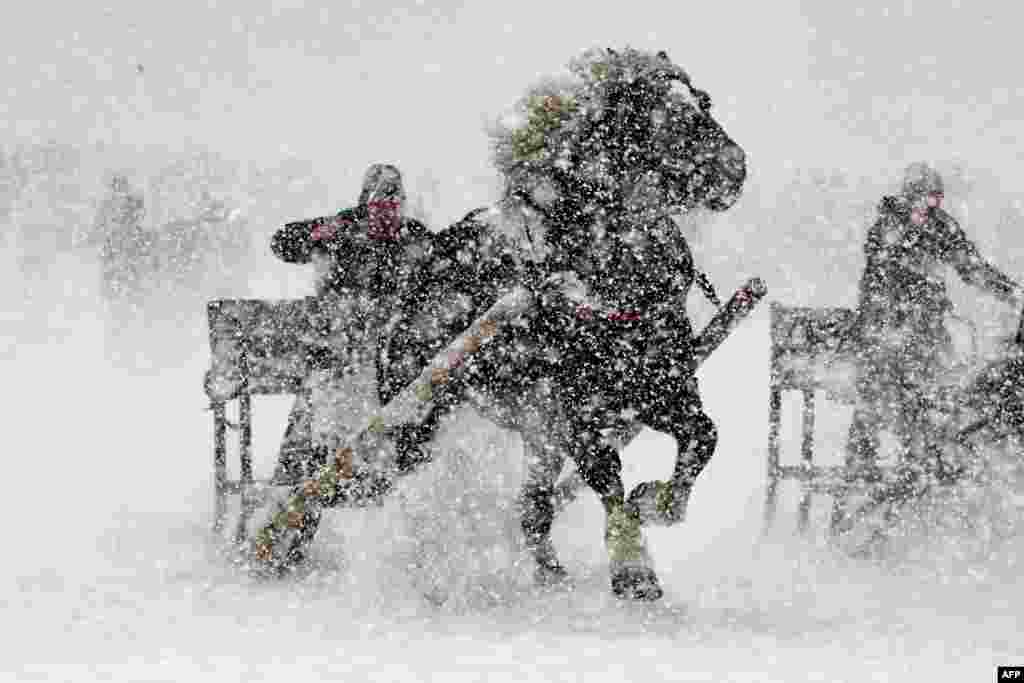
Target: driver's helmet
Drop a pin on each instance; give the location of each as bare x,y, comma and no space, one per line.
382,182
920,180
119,184
383,196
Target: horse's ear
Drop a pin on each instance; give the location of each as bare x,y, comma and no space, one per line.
703,100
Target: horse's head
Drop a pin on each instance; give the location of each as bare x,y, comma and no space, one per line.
621,132
704,167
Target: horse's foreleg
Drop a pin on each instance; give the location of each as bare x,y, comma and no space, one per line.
543,465
632,574
695,445
696,437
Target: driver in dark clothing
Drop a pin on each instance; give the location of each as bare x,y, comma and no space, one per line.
365,255
899,331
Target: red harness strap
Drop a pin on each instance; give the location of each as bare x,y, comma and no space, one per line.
585,312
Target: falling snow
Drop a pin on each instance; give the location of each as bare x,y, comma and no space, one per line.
160,190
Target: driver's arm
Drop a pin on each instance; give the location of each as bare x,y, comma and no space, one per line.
972,268
295,242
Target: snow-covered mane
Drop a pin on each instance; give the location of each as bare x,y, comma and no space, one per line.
616,131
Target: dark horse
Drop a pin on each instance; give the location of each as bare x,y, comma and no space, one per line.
608,336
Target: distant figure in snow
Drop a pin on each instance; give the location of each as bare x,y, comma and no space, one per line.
122,240
899,332
365,256
202,253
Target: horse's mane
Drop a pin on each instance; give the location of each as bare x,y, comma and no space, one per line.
602,136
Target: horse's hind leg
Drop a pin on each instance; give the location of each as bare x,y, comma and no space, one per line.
543,465
410,439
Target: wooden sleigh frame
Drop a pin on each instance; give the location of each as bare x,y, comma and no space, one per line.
807,356
258,348
810,355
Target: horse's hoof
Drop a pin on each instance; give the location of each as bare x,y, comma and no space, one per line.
636,583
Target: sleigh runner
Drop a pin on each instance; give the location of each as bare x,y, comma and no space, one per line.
807,358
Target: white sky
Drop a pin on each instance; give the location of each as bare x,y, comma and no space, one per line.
859,87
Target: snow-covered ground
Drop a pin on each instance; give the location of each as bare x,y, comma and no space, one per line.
108,569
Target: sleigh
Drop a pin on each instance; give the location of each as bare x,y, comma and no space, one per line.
270,348
808,359
258,348
813,359
266,348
